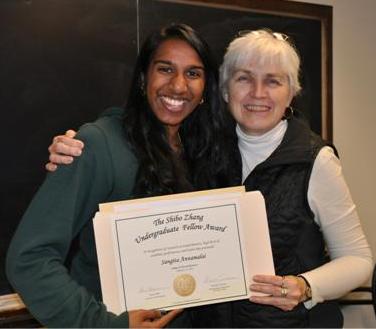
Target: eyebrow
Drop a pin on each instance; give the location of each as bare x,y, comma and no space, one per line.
161,61
269,75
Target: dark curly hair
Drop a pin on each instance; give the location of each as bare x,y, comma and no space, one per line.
204,162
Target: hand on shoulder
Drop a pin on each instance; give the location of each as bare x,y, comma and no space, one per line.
63,149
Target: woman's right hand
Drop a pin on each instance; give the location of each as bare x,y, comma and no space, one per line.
63,150
151,318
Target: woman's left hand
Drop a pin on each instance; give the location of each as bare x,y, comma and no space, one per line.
284,292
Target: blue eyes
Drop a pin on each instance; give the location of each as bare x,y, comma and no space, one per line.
242,78
274,82
268,81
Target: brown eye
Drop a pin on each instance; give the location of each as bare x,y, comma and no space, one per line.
194,74
164,69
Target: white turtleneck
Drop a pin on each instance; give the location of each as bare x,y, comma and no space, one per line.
334,211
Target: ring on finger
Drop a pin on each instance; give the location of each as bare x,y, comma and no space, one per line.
283,282
284,292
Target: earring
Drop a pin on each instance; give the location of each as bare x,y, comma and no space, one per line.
142,85
225,96
289,112
202,101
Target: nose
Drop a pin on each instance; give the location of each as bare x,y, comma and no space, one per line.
178,83
258,89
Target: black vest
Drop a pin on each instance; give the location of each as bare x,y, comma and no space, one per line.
297,242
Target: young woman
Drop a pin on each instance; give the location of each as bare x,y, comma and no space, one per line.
168,139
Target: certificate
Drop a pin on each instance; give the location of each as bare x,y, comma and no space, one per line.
181,251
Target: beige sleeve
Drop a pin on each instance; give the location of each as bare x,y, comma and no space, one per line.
335,212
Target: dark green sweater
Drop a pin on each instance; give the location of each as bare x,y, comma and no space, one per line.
61,211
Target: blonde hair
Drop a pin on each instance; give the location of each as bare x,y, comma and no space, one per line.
261,47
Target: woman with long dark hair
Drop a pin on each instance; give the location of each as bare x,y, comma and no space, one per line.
199,139
169,138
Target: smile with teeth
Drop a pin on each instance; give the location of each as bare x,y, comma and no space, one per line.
173,104
256,108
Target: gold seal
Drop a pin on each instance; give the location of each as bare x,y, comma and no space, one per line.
184,284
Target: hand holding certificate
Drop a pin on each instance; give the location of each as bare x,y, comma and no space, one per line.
181,250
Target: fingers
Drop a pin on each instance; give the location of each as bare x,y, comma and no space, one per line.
271,279
151,315
63,149
51,166
66,145
284,304
151,318
142,318
165,319
280,291
267,289
268,284
70,133
57,158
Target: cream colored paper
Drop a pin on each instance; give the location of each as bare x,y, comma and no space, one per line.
160,272
118,206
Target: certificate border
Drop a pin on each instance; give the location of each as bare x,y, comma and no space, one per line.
201,302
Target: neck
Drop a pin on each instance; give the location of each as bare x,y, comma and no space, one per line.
174,138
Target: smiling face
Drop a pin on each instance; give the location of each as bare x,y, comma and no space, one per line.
175,83
257,97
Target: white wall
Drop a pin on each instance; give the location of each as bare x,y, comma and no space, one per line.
354,110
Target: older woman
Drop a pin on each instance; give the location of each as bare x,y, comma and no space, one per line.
315,231
310,211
